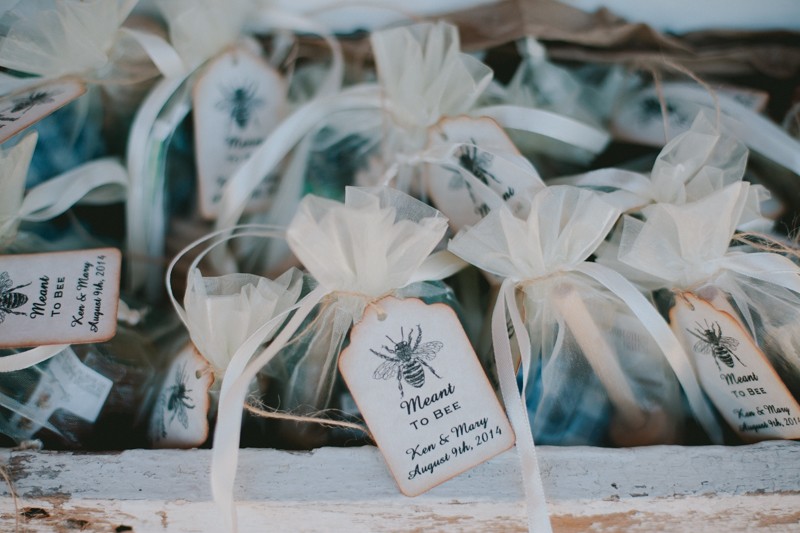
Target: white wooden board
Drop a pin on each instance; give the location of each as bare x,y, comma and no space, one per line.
661,488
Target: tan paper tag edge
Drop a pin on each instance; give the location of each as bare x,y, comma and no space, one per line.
748,391
447,188
418,404
43,304
22,109
240,104
176,398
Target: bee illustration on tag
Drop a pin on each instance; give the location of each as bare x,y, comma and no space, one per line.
32,100
240,102
477,162
9,298
178,401
408,359
721,347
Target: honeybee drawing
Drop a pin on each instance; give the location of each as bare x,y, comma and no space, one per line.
240,102
712,340
407,360
10,299
31,100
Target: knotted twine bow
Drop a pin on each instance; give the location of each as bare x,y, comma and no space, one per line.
375,244
564,227
97,182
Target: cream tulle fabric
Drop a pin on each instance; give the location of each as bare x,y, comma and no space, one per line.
684,245
687,248
424,74
691,166
544,255
222,312
378,242
199,29
564,226
53,38
14,163
370,245
443,82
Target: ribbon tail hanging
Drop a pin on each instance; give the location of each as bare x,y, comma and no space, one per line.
538,518
145,209
224,455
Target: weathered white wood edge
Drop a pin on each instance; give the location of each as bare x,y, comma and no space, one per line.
661,488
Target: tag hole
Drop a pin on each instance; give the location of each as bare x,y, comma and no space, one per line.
382,316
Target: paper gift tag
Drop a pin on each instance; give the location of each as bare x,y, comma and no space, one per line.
238,100
67,384
59,298
27,107
505,176
734,372
422,392
180,417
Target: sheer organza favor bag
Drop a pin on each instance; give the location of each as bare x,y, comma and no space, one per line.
368,245
735,308
238,94
691,166
396,127
91,393
599,364
380,243
224,315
